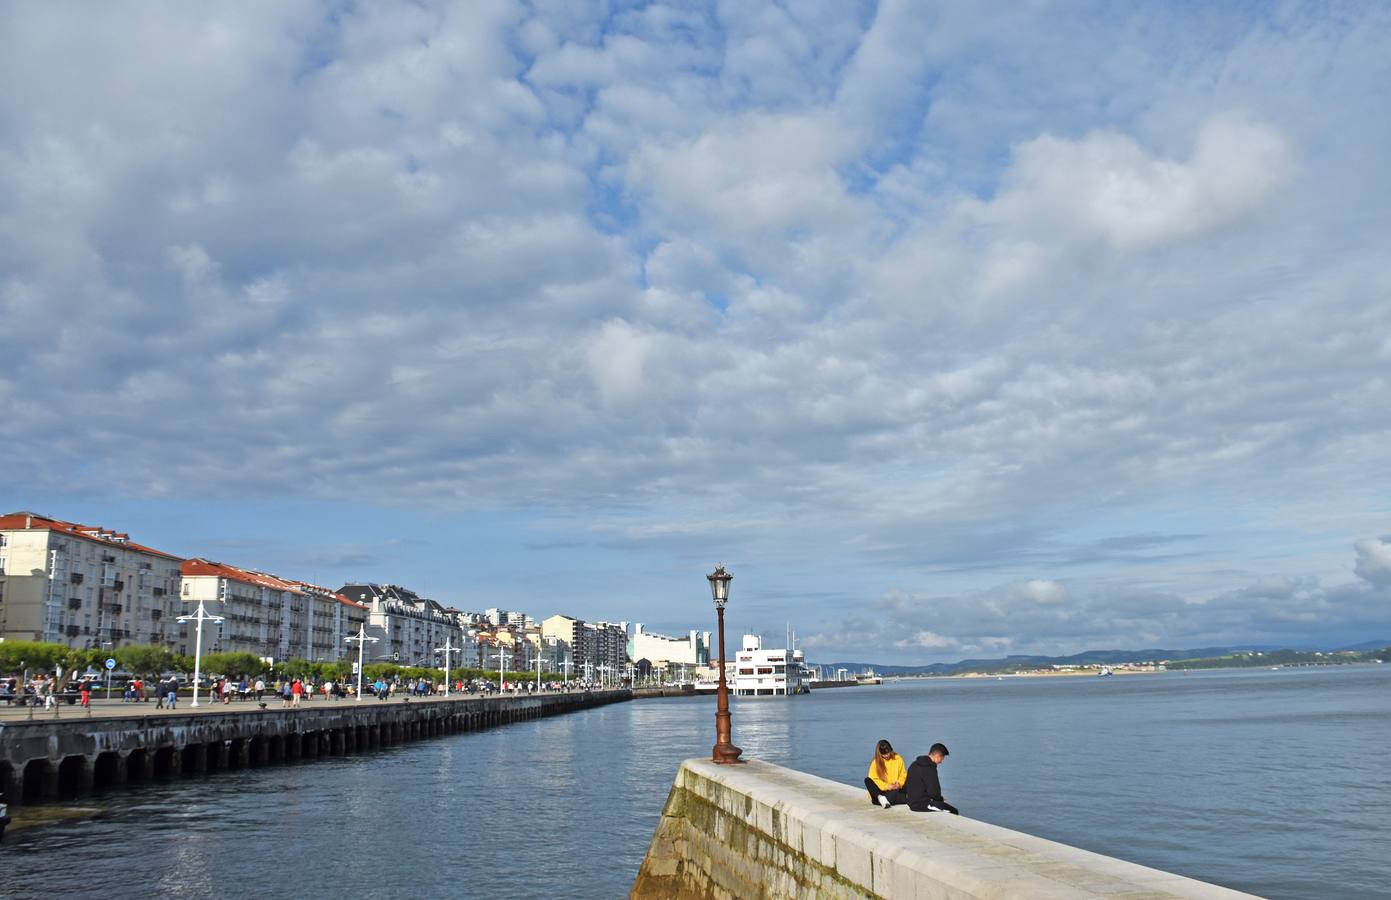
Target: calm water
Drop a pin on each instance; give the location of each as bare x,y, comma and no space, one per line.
1272,782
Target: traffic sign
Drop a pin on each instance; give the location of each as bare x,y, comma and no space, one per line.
110,663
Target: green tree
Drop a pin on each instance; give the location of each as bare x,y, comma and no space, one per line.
144,659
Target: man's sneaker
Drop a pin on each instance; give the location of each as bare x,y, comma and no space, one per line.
883,801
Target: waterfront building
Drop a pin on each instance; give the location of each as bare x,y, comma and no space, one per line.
571,633
83,586
610,649
665,652
410,626
333,618
760,672
261,613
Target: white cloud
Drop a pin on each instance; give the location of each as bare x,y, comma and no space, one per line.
920,296
1374,560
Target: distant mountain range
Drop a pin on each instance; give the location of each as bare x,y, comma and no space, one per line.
1088,657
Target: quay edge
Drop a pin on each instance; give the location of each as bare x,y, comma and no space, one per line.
45,760
756,830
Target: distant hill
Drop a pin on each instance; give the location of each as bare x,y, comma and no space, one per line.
1088,657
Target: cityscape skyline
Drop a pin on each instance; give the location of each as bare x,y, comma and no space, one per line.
951,333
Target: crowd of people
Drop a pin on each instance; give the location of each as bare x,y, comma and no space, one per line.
43,689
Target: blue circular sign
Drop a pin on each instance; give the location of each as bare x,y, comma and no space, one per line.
110,663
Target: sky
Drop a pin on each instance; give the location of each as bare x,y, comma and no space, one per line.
951,329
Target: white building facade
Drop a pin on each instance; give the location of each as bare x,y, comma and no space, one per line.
83,586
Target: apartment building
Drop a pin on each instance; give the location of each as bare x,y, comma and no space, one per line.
409,627
82,585
261,614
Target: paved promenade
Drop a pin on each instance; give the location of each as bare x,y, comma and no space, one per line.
115,708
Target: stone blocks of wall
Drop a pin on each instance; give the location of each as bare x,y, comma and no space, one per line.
757,830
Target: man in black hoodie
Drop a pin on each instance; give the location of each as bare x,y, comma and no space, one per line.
923,789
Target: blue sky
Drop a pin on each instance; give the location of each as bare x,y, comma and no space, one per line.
953,330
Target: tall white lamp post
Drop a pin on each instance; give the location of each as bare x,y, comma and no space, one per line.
362,638
200,617
446,650
502,657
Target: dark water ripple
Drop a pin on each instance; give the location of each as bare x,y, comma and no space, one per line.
1272,782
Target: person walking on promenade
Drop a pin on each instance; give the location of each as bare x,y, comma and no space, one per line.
171,693
161,690
86,688
924,790
887,775
296,692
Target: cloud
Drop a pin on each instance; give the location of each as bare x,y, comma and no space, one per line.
1374,561
1106,188
904,298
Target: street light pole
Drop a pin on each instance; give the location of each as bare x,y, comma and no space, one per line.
200,617
446,649
501,665
724,752
362,639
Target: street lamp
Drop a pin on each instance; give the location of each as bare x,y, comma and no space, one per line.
362,638
724,752
200,617
502,656
446,650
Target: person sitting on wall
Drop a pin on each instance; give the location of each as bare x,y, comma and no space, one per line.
886,777
923,788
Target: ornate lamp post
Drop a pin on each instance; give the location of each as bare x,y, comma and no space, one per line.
724,752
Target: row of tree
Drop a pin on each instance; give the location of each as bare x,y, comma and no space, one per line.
150,661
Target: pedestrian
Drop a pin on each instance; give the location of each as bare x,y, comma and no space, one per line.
171,693
923,788
86,688
161,690
296,691
284,695
49,700
260,687
328,689
887,776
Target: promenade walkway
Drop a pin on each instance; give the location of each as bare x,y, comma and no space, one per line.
116,708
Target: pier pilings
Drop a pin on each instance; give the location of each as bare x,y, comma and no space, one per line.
48,760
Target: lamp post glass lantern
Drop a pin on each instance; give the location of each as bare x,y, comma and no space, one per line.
724,751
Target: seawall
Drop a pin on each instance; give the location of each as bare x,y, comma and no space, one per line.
44,760
757,830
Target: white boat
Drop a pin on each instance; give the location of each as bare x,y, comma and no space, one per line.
868,677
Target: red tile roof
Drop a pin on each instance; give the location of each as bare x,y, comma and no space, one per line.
19,521
194,567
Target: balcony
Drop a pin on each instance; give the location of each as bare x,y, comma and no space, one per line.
71,631
118,586
77,578
115,609
156,614
158,592
74,603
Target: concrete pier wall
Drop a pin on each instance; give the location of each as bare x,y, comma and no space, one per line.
757,830
45,760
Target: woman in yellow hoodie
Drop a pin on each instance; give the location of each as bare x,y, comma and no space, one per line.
887,775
